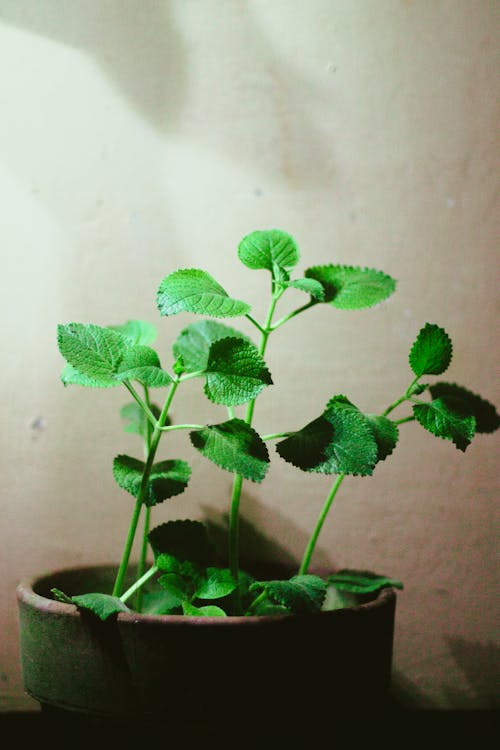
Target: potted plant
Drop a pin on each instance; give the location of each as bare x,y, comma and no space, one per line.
189,635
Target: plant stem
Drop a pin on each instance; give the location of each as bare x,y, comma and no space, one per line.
144,406
147,510
314,537
155,439
405,419
139,583
276,435
286,318
234,515
170,427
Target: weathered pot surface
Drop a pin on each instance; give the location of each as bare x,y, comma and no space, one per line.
196,671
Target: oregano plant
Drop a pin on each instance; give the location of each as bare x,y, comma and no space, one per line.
179,570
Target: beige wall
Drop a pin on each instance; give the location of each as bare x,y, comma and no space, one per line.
139,137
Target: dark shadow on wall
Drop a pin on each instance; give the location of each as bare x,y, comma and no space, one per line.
137,45
133,41
266,536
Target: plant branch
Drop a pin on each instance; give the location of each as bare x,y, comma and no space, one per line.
292,314
139,583
155,439
321,519
144,406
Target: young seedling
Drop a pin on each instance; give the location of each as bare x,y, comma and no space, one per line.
186,576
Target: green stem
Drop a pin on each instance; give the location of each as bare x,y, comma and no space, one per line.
139,583
255,323
260,598
234,515
276,435
405,397
144,406
155,439
405,419
170,427
314,537
147,510
292,314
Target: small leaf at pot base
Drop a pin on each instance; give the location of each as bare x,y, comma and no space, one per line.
445,422
195,291
194,342
60,596
184,540
101,605
209,611
218,583
431,352
466,402
264,249
352,287
235,447
301,594
361,581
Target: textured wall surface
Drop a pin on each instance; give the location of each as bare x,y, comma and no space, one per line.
138,137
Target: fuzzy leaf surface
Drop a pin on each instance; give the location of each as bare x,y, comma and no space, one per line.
445,422
361,581
352,287
102,605
302,594
167,478
142,363
386,435
235,447
265,249
339,441
184,540
310,286
218,583
137,332
194,342
71,376
431,352
210,610
193,290
466,402
93,351
235,372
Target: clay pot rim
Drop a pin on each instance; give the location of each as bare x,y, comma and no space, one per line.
25,593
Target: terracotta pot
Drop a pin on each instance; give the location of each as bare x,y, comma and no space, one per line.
200,672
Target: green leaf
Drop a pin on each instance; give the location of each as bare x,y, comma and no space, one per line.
466,402
137,332
102,605
340,441
142,363
209,611
386,435
446,422
194,342
137,419
93,351
159,602
71,376
167,478
236,373
195,291
184,540
302,594
219,582
234,446
60,596
309,286
352,287
177,587
268,248
361,581
431,352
